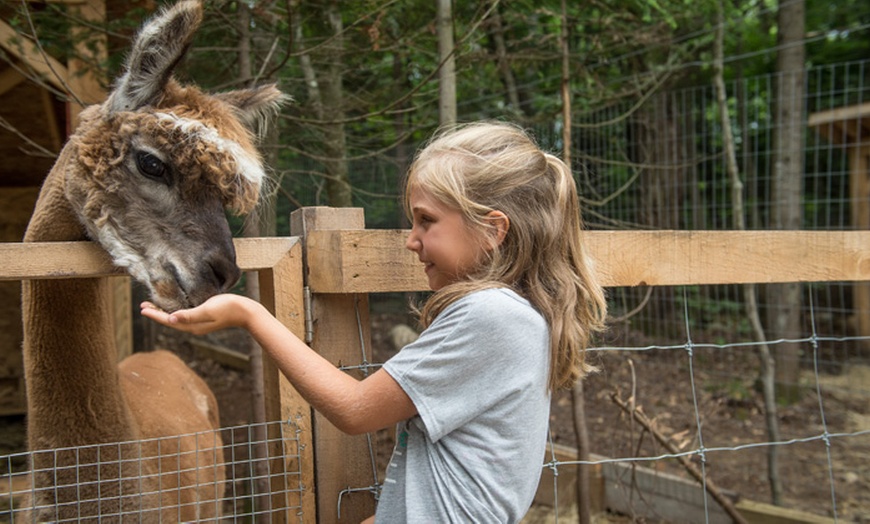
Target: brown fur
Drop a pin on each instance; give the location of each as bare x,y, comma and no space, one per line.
136,442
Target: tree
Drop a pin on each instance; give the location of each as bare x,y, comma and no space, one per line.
447,73
326,93
787,213
750,295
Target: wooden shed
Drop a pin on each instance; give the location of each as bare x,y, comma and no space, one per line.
849,127
40,98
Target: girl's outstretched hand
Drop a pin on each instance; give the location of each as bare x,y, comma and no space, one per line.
218,312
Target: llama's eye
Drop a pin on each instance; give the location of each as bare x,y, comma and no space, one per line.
151,166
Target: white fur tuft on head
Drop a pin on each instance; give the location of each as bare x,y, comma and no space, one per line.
249,167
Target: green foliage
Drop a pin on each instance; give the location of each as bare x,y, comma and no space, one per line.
721,318
46,23
386,60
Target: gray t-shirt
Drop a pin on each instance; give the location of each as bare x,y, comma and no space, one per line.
478,377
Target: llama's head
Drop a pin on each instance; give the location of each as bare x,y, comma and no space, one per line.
155,166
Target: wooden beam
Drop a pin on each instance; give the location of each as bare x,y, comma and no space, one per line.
762,513
375,260
281,292
669,258
371,261
859,195
87,80
842,125
25,51
9,79
342,335
85,259
52,126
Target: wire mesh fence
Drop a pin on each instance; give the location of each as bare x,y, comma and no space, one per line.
240,474
678,430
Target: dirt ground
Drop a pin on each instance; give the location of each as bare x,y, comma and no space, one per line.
729,409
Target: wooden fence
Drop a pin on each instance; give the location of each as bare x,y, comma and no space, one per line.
318,280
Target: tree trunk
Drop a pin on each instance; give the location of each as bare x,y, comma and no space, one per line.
749,292
326,97
578,400
504,66
566,88
447,73
785,299
661,151
338,186
581,431
258,449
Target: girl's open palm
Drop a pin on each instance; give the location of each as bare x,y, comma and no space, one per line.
218,312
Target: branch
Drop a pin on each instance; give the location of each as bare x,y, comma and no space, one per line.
38,44
401,100
708,484
39,150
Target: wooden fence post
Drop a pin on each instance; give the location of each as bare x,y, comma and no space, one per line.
281,293
341,333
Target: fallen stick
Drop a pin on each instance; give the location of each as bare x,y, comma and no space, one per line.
709,485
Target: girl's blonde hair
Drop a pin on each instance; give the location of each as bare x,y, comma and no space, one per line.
487,166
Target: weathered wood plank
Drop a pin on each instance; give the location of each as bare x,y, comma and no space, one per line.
341,334
362,261
369,261
761,513
842,124
664,258
21,261
26,51
282,294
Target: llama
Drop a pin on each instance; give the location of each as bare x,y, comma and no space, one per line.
147,174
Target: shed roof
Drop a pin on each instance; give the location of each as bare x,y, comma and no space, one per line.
843,125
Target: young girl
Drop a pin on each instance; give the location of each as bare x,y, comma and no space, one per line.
496,224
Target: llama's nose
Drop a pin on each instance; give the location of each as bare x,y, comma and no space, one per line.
222,271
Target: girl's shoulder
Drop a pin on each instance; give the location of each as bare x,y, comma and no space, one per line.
495,295
502,304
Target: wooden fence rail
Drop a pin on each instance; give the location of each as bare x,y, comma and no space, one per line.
340,263
369,261
375,260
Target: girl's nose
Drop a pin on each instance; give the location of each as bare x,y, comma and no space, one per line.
412,243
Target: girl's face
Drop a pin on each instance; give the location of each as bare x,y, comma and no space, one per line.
448,248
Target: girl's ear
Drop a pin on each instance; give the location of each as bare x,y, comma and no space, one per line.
499,224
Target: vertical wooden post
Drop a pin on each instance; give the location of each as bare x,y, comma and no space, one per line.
341,333
281,292
86,78
859,175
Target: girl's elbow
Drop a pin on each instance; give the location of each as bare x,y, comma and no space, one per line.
352,423
357,429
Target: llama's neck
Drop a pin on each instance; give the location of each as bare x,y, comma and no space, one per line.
70,358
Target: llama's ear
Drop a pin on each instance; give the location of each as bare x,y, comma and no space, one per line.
255,106
159,46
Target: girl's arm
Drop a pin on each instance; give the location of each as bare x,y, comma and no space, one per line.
353,406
